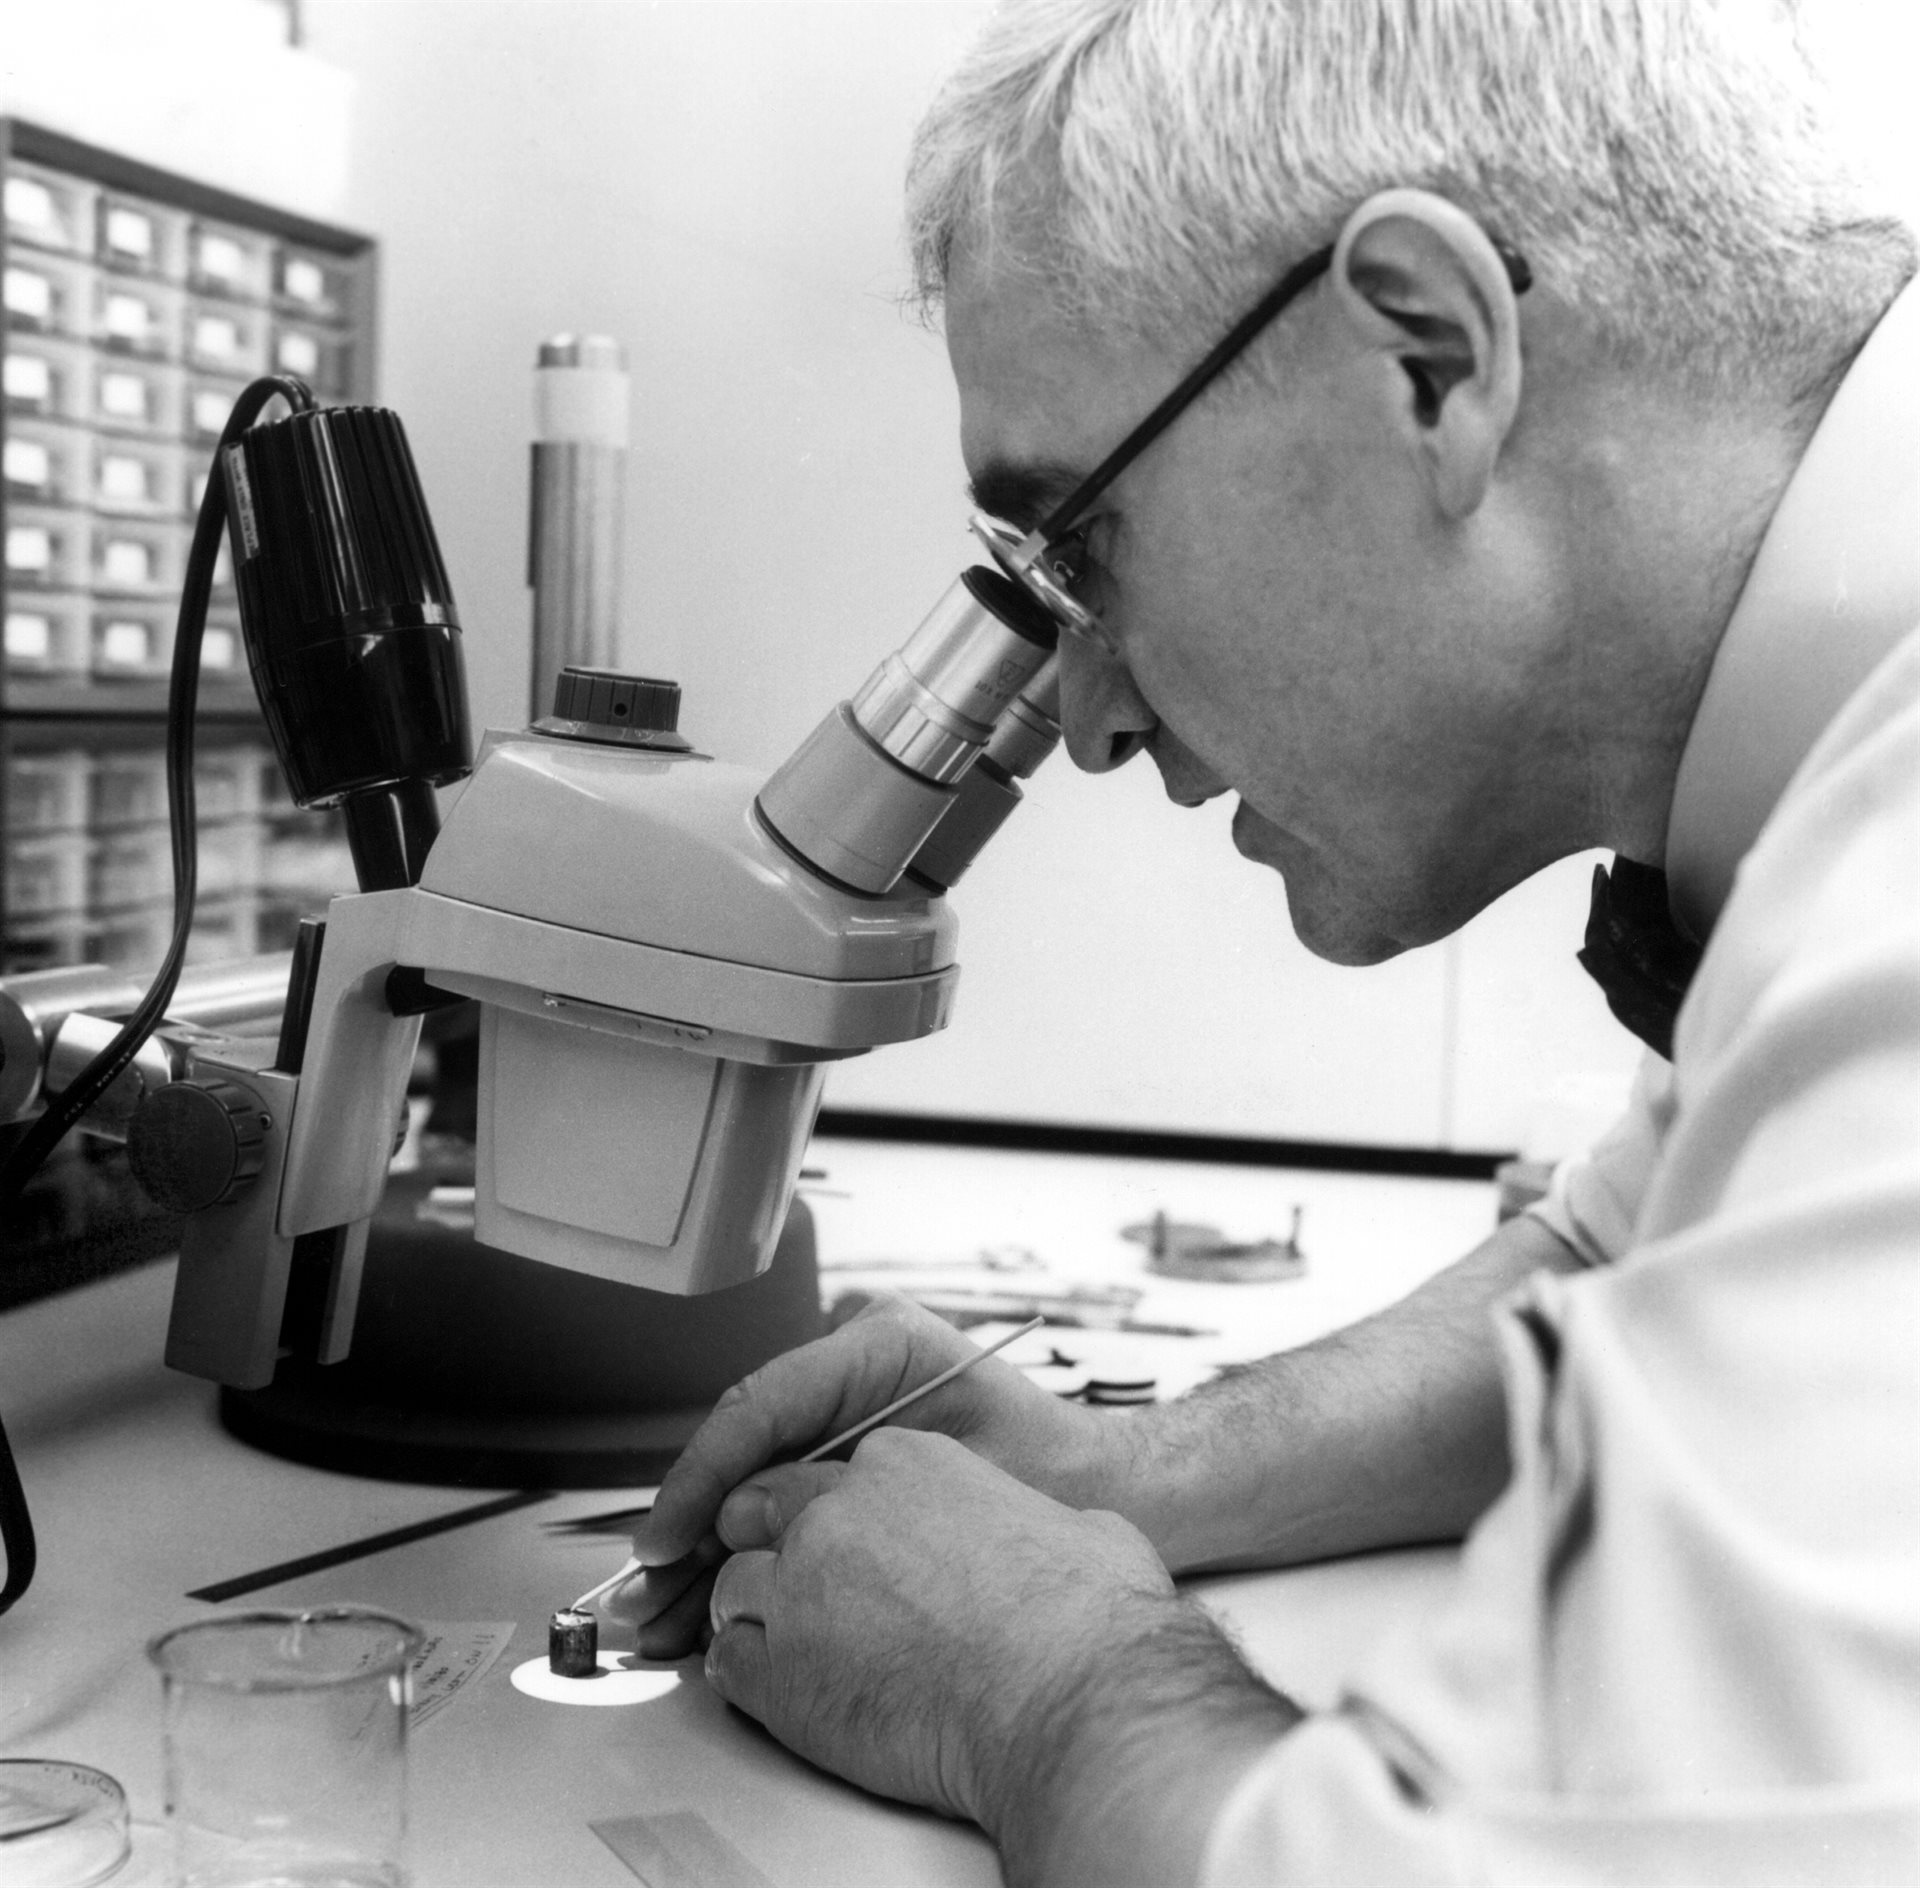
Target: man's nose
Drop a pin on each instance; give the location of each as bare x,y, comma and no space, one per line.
1103,717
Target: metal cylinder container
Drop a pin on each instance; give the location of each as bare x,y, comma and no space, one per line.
578,507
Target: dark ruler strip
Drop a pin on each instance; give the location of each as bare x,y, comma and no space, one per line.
604,1523
372,1544
1223,1150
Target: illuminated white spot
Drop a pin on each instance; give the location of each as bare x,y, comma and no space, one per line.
622,1679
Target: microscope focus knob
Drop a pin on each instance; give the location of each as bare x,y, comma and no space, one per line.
607,698
197,1143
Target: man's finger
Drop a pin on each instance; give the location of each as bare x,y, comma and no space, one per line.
786,1406
743,1589
738,1667
654,1589
679,1628
759,1511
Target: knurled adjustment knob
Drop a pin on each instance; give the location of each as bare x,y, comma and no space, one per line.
607,698
197,1143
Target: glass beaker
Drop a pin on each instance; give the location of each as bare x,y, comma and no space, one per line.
286,1748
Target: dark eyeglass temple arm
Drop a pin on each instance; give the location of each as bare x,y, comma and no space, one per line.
1306,271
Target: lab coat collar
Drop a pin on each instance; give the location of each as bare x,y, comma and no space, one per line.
1835,585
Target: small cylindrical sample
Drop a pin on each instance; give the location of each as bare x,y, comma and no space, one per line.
573,1644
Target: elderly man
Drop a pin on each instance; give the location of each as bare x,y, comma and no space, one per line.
1565,493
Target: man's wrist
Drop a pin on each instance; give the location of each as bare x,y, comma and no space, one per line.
1115,1774
1115,1461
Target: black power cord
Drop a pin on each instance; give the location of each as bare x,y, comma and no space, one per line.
93,1081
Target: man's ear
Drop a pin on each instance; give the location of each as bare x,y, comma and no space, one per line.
1420,281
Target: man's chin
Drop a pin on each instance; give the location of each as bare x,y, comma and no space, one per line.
1335,944
1323,920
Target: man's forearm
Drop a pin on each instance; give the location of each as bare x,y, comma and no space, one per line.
1391,1431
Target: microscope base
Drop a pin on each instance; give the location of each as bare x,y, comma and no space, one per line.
307,1421
475,1367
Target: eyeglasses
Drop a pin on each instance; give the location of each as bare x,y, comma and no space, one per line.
1046,561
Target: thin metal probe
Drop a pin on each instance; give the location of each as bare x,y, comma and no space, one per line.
840,1441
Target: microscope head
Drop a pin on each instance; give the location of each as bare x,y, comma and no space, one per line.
662,985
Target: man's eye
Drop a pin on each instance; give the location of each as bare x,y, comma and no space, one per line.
1069,557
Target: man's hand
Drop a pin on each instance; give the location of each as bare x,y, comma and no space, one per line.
810,1395
925,1625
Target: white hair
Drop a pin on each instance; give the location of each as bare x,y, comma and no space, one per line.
1665,166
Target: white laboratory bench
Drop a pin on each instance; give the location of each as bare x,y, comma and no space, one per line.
140,1498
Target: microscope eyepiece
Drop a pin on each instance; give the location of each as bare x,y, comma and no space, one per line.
861,794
